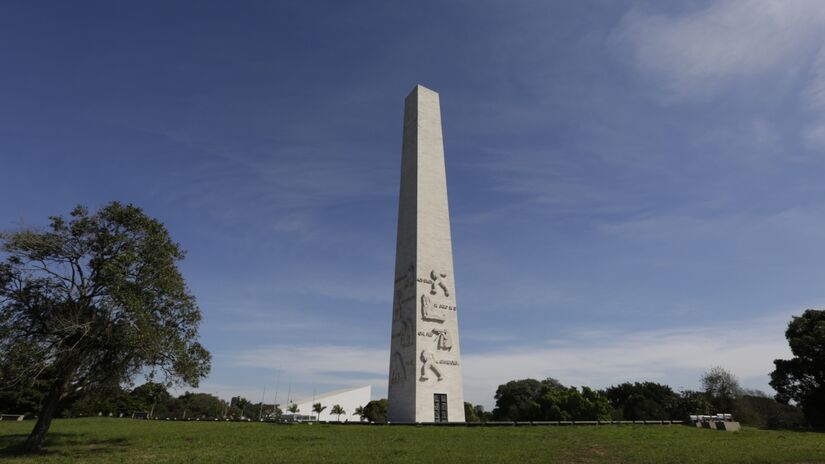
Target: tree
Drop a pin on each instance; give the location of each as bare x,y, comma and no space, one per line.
690,403
760,410
470,413
722,388
516,400
317,408
359,411
293,408
149,395
19,394
533,400
114,401
570,404
197,405
277,412
239,405
802,378
642,400
337,410
376,411
92,301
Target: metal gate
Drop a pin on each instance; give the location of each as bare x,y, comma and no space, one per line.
440,403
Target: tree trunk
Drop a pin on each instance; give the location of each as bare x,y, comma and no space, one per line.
44,421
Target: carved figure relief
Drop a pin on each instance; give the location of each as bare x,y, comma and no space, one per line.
406,332
429,364
443,340
396,308
410,277
399,372
429,312
438,280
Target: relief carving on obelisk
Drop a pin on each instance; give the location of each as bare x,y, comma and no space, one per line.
429,312
438,279
398,373
429,363
443,340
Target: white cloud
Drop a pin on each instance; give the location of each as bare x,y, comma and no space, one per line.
703,52
320,364
793,224
673,356
597,358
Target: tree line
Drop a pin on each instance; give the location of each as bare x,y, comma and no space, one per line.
549,400
153,400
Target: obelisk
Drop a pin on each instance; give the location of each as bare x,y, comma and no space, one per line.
425,382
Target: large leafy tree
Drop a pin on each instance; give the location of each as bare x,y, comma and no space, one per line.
642,400
564,404
150,395
802,378
376,411
722,388
92,301
197,405
517,400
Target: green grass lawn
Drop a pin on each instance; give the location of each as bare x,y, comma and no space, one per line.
126,440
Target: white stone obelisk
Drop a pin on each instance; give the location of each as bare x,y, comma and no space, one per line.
425,383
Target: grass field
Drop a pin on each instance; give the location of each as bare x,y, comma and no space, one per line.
125,440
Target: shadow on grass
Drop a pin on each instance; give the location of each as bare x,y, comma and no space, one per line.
61,443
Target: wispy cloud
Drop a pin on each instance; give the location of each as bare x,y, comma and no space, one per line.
814,94
771,49
598,358
283,191
706,51
320,364
798,222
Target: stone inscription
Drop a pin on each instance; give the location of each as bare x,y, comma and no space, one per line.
448,362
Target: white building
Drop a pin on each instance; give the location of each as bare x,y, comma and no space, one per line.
349,399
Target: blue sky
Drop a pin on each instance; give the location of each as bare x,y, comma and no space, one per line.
635,187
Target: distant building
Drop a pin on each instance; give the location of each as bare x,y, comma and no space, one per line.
234,401
349,399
